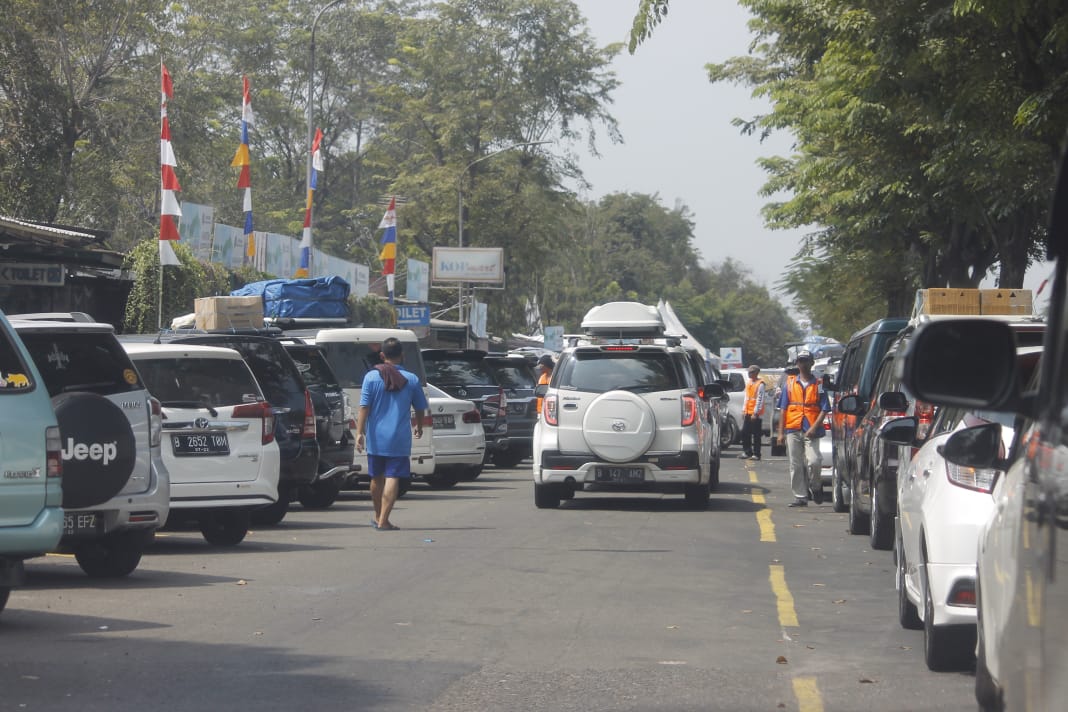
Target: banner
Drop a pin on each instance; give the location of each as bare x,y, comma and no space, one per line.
418,282
469,264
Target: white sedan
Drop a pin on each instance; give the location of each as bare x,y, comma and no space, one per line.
459,439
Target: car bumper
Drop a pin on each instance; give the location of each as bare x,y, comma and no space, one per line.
40,536
224,494
944,579
654,479
302,469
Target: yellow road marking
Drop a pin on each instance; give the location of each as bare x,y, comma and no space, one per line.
62,556
787,614
763,516
807,693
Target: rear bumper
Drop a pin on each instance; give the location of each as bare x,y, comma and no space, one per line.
40,536
659,472
302,469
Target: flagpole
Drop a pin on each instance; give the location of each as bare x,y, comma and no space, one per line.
159,312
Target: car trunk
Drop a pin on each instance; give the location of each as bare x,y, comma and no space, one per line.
22,495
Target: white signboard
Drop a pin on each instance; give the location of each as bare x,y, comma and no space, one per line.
479,312
418,283
554,338
362,283
731,357
469,264
32,274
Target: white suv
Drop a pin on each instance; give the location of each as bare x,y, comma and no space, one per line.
623,414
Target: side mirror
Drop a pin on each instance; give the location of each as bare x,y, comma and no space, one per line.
828,382
968,363
893,400
851,405
899,431
541,390
713,390
977,446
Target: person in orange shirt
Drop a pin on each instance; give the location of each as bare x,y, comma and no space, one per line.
804,405
752,413
545,372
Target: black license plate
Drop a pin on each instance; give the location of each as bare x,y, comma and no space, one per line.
81,523
619,474
446,422
187,444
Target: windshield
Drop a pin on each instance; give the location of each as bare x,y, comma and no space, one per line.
598,372
313,366
81,361
514,375
350,360
207,381
459,372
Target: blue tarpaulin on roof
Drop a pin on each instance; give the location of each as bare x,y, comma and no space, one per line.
315,298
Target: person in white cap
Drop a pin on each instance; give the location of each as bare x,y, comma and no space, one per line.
804,406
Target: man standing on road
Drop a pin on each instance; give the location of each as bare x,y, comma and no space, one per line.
752,414
545,373
383,427
804,405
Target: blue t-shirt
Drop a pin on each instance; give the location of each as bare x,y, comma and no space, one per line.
389,421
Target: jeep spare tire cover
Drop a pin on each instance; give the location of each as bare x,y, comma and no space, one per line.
618,426
98,446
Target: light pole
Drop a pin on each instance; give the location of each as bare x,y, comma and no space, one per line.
460,196
308,110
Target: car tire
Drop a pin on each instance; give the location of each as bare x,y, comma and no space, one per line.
776,449
320,495
697,496
440,481
508,458
468,474
987,692
945,647
403,485
546,496
113,556
5,593
713,473
226,527
271,514
858,520
728,432
907,613
881,525
837,494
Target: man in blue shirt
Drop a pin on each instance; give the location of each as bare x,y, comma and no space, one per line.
383,427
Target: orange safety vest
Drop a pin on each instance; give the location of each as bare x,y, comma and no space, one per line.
543,380
803,402
751,389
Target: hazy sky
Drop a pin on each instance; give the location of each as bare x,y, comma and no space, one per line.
678,139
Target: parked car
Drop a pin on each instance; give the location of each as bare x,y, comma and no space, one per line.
712,404
731,427
116,489
31,497
334,423
515,374
218,436
295,429
459,440
623,416
351,352
465,374
827,367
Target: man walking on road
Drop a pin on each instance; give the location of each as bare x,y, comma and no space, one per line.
804,405
383,427
752,412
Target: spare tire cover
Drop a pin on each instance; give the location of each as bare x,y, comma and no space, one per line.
99,448
618,426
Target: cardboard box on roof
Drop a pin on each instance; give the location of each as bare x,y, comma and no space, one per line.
946,301
1005,301
229,313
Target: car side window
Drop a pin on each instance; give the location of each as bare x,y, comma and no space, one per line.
14,374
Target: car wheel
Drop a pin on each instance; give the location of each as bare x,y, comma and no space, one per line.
113,556
881,532
506,459
713,473
440,481
907,614
858,520
837,495
5,592
546,496
987,693
403,485
945,647
227,527
728,432
271,514
468,474
697,496
320,495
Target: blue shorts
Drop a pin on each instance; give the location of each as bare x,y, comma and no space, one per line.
385,466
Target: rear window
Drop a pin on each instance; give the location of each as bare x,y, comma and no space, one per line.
514,375
601,371
81,361
313,367
351,361
270,364
207,381
458,372
15,376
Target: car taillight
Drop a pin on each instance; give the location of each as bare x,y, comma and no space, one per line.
262,410
549,410
155,422
924,416
308,431
980,479
53,452
472,416
689,410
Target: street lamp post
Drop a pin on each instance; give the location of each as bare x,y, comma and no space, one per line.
308,110
460,197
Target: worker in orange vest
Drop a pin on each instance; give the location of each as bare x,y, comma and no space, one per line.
752,413
545,372
804,406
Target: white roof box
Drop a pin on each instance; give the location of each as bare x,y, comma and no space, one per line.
624,319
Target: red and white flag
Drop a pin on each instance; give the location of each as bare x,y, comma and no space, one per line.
170,211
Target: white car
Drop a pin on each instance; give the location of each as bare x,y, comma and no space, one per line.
459,439
218,436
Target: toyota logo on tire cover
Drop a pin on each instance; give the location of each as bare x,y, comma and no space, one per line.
98,446
619,426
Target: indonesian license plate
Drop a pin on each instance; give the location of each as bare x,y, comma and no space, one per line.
619,474
186,444
447,421
81,523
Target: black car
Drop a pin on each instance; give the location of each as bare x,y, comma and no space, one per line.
465,374
295,429
332,424
515,373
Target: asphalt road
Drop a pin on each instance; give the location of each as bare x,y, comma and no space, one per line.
482,602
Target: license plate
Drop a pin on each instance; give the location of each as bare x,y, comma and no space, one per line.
619,474
81,523
447,422
186,444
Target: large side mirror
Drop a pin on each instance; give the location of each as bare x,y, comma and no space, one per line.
899,431
713,390
851,405
977,446
893,400
541,390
